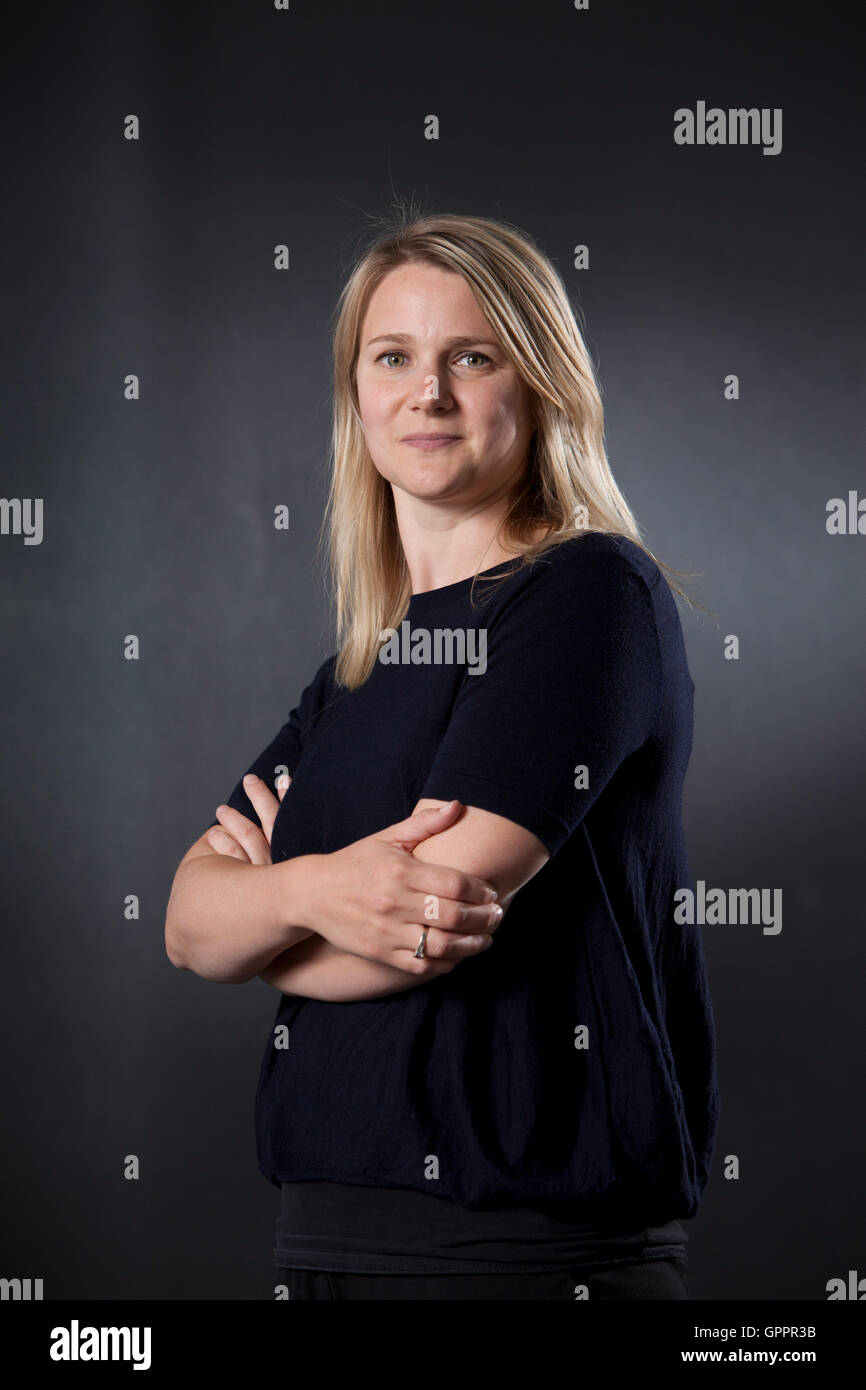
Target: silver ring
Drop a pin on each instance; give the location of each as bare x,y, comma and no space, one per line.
421,948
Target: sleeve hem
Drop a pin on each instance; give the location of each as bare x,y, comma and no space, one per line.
447,785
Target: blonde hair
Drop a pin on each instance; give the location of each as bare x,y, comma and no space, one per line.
567,487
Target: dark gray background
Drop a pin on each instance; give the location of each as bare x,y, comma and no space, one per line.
156,258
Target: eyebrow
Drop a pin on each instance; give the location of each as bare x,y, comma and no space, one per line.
450,342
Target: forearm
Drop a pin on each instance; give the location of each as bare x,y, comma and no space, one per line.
317,970
227,920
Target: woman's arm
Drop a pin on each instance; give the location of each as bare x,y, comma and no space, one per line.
360,899
496,849
317,970
226,920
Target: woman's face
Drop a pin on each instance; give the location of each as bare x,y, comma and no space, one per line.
429,363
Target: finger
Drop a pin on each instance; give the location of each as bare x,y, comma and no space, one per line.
450,926
284,781
264,802
247,834
221,841
411,831
439,948
459,918
454,884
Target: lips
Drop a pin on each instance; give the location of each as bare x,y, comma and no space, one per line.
430,441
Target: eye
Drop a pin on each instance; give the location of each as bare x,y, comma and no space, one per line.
394,352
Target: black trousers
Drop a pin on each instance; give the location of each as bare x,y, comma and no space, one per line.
654,1279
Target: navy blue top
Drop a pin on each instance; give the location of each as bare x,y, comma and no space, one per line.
576,1058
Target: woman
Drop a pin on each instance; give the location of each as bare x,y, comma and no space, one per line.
464,1098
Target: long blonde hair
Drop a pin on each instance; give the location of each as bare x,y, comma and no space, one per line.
568,486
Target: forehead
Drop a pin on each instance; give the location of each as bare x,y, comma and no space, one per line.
423,299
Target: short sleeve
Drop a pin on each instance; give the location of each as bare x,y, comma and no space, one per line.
572,680
282,753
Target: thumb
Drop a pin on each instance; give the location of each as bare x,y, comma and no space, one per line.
410,832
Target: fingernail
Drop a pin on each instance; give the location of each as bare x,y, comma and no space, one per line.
447,806
250,778
490,895
221,808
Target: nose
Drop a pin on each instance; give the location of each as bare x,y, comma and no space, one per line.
430,387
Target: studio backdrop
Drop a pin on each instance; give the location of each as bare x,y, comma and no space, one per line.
186,190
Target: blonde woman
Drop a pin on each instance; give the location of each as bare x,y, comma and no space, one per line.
492,1073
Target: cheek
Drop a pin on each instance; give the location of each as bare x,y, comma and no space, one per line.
501,413
375,404
367,406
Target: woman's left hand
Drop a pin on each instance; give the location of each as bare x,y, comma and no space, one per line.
240,837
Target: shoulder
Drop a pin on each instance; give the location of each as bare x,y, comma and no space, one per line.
590,590
602,552
597,566
318,690
323,681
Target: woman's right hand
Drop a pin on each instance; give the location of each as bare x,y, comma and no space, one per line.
373,899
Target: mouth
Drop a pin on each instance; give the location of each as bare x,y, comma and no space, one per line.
430,441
